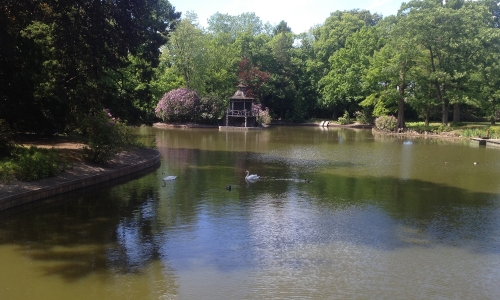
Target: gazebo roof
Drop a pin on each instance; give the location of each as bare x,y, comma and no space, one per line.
240,93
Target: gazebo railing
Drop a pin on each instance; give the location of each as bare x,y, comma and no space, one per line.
242,113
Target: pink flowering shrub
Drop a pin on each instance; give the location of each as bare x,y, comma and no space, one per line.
179,105
386,123
264,115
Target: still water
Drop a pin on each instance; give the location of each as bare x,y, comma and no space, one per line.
337,214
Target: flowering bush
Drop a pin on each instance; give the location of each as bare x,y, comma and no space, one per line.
104,136
179,105
264,115
386,123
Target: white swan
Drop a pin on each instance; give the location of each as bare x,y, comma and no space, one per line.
169,178
251,176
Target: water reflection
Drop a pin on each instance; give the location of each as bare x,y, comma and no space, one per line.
336,214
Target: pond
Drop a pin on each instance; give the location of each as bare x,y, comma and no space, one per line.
337,213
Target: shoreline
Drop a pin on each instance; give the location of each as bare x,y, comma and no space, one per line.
318,124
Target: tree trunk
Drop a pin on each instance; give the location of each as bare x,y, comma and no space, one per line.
426,119
456,112
445,112
401,113
335,114
494,116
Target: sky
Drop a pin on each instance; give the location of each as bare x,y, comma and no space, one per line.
299,15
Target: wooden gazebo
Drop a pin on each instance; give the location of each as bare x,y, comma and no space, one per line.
240,112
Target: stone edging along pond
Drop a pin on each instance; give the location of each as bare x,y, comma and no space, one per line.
152,160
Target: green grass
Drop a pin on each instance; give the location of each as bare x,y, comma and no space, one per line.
464,129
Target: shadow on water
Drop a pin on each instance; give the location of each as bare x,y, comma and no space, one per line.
123,228
78,232
422,213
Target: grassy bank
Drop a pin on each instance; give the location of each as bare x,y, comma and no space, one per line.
465,129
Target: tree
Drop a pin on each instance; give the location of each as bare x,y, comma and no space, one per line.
393,72
487,77
332,35
252,77
282,27
232,26
281,87
186,48
72,56
449,34
330,38
343,84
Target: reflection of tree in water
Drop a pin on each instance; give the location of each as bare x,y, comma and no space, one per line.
440,214
107,231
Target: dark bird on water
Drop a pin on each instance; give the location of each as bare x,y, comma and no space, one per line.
228,187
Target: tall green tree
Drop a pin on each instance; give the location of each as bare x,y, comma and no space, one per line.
393,72
79,51
343,85
332,35
186,48
330,38
449,35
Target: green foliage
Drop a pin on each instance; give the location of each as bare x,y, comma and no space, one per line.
34,163
165,77
474,132
345,119
486,131
28,164
455,41
494,132
364,116
420,127
386,123
187,51
443,128
343,83
210,109
337,28
61,59
7,171
104,136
